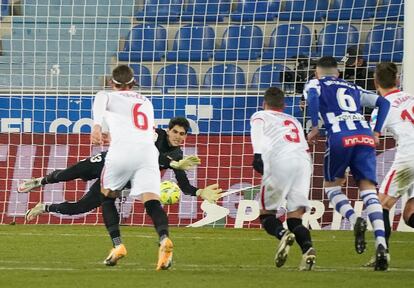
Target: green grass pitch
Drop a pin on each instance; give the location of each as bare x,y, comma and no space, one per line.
71,256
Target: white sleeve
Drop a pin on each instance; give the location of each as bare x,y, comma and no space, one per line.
99,107
311,84
256,134
368,99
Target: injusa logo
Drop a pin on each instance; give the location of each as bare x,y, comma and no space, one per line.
358,140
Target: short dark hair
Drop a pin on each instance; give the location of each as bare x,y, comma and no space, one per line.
327,62
386,74
274,97
123,77
179,121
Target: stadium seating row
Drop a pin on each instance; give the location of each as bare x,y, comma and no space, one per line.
148,42
78,8
227,76
267,10
216,10
222,76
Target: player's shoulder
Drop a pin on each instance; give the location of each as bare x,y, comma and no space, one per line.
258,115
160,132
313,83
102,93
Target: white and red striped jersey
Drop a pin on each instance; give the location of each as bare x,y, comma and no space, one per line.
276,132
400,121
128,115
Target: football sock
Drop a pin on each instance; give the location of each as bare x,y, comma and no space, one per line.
88,202
111,220
341,203
158,216
387,225
302,233
374,211
410,221
61,176
272,225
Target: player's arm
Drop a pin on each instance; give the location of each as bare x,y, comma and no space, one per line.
98,110
370,99
312,92
175,161
210,193
256,134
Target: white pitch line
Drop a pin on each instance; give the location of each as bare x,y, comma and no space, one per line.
336,239
205,268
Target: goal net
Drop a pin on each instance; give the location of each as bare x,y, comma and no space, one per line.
207,60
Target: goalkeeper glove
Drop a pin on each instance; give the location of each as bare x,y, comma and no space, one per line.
186,163
258,163
210,193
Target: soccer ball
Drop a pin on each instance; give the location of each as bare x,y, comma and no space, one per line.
169,192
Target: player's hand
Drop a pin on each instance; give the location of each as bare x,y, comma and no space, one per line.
96,135
106,138
377,138
313,135
211,193
186,163
258,163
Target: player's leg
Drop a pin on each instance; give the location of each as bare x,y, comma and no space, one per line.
271,224
146,185
86,169
91,200
115,175
111,219
297,204
408,213
303,238
336,162
363,168
160,220
274,227
272,196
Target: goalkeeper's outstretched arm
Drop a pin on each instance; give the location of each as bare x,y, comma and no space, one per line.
210,193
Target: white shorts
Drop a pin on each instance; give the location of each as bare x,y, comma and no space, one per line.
399,179
138,164
286,179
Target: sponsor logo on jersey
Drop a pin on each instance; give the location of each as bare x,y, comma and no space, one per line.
355,140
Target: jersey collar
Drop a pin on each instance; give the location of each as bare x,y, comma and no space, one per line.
392,92
275,110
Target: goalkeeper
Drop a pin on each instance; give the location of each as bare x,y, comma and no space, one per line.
171,157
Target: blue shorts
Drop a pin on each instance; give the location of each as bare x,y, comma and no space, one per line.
354,151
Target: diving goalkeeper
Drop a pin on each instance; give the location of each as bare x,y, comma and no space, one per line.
171,157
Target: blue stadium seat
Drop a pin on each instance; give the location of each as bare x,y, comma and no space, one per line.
268,76
304,10
142,75
240,43
206,10
351,9
255,10
160,11
288,41
391,10
4,8
385,42
192,43
78,8
176,76
335,38
145,42
227,76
